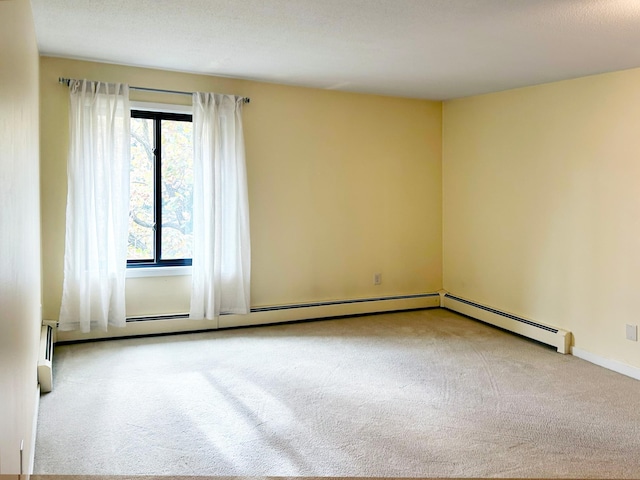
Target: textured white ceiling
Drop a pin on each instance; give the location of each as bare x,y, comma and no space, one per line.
435,49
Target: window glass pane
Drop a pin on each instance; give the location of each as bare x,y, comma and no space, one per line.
141,204
177,189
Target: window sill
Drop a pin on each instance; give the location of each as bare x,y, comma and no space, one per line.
142,272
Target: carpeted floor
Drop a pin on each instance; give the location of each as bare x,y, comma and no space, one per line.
415,394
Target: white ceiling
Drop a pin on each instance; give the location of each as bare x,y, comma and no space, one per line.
436,49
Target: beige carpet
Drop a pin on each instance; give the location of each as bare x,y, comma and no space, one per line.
416,394
195,477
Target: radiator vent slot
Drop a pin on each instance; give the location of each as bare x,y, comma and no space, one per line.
45,359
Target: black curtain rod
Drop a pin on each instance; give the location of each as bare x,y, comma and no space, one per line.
66,81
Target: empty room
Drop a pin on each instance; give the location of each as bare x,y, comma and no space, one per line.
303,238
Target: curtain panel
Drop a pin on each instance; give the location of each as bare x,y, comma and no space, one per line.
97,213
221,263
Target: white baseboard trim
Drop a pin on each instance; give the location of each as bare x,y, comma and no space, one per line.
616,366
34,432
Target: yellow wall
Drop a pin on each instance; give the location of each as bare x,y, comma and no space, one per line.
540,199
341,186
541,206
19,234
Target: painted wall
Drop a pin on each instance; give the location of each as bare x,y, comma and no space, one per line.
341,186
541,206
20,233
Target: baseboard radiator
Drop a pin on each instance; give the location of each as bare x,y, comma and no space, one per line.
313,310
176,323
45,359
337,308
556,337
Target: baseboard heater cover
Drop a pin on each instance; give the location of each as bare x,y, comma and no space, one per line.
161,324
296,306
556,337
342,302
45,359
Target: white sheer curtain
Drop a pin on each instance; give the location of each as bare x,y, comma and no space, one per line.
95,257
221,244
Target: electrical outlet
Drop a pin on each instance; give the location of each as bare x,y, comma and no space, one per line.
632,332
377,278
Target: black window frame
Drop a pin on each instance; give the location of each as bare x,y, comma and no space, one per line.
157,117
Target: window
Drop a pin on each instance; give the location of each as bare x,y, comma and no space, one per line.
160,212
